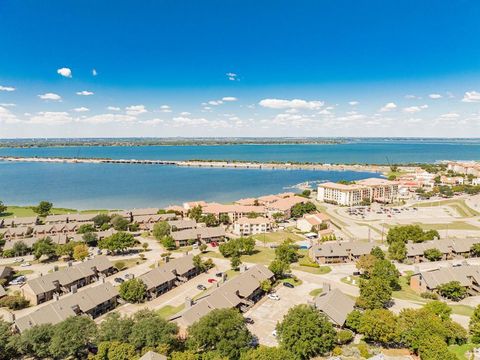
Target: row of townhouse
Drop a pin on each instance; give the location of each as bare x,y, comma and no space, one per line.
176,225
370,190
467,168
199,234
39,230
69,279
18,221
169,275
58,239
241,292
339,252
93,302
429,281
450,249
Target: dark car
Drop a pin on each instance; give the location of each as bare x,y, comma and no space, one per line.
289,285
201,287
249,320
119,280
219,274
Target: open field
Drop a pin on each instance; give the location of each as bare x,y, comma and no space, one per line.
277,237
25,211
168,310
458,204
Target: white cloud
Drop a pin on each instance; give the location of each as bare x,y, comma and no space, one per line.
84,93
65,72
94,72
215,102
113,108
81,109
152,122
411,96
435,96
183,120
229,98
353,103
7,117
185,113
165,109
291,104
414,109
232,76
50,96
388,107
109,118
471,96
135,110
7,88
8,105
450,116
51,118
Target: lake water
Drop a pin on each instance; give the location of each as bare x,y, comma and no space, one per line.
85,186
371,152
119,186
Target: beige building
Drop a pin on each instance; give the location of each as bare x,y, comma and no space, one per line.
71,278
201,234
450,249
92,302
250,226
313,222
368,190
335,305
339,252
234,212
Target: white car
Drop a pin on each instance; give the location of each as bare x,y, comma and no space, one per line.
25,264
273,296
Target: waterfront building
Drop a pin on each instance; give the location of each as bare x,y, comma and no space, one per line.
362,191
466,168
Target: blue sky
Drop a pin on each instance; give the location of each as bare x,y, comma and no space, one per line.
303,68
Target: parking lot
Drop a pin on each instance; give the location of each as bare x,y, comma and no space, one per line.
267,312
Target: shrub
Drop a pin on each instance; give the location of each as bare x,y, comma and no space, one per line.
344,337
120,265
14,302
429,295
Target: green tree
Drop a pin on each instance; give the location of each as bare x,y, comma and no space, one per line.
198,263
84,228
3,208
117,242
20,248
133,290
452,290
80,252
115,328
354,320
298,210
413,233
150,330
386,270
439,308
7,351
379,325
474,326
43,208
344,337
279,268
36,341
90,238
101,219
115,350
378,253
433,254
287,252
161,229
365,264
195,213
209,220
267,353
119,223
221,330
235,262
375,293
168,243
305,332
66,249
44,247
435,348
475,250
397,251
203,248
224,219
71,337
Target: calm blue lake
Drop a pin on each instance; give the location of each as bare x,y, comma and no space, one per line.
371,152
118,186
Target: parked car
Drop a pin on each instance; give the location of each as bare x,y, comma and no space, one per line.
219,274
19,280
273,296
211,281
19,260
119,280
25,264
288,285
201,287
129,276
249,320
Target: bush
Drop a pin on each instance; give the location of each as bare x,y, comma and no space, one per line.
429,295
344,337
133,290
120,265
14,302
363,348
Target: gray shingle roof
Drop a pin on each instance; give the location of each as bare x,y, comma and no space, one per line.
335,305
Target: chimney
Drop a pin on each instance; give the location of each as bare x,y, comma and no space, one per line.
102,279
73,289
69,263
326,287
188,302
55,268
224,277
56,297
167,259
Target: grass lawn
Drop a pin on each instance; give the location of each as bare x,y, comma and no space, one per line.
462,310
349,280
168,311
312,270
22,272
277,237
260,256
295,282
459,205
460,350
130,262
315,292
25,211
455,225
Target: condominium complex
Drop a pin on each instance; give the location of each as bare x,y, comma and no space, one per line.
368,190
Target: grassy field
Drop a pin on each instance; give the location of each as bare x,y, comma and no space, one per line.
459,205
315,292
24,211
261,255
455,225
168,310
460,350
277,237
